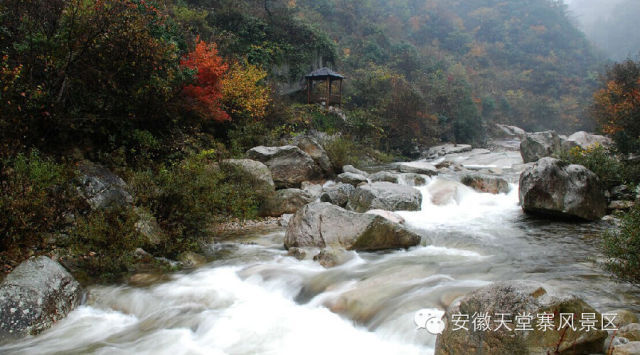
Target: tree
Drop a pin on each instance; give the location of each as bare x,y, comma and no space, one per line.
617,105
244,94
205,93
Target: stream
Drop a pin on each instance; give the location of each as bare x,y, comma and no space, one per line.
257,300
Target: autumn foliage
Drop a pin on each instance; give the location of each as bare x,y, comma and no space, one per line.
206,91
617,105
244,93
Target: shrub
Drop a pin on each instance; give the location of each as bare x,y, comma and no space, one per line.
622,248
342,151
599,160
33,199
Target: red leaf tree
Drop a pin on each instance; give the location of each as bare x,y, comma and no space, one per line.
206,91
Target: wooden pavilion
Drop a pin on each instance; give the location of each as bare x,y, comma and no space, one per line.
320,87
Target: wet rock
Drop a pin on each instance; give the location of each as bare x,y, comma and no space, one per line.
384,176
414,179
517,297
630,331
289,165
539,145
352,179
298,253
332,257
445,149
486,183
38,293
101,188
146,279
337,194
631,348
322,225
385,196
191,260
418,167
315,150
285,201
260,174
353,170
393,217
554,188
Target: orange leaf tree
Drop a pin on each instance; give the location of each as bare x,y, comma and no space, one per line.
205,93
617,105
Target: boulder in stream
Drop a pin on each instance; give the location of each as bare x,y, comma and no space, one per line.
315,150
554,188
514,298
286,201
486,183
337,194
352,179
323,225
385,196
38,293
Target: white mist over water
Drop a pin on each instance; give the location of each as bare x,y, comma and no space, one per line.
257,300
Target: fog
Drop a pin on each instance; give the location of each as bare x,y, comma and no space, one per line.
612,25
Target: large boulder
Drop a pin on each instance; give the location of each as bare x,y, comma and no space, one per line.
260,174
286,201
554,188
315,150
385,196
101,188
384,176
515,298
486,183
38,293
289,165
337,194
323,225
585,140
539,145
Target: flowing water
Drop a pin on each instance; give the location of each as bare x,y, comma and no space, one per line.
258,300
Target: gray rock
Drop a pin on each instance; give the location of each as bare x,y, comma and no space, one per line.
315,150
554,188
284,219
511,131
513,298
148,226
620,205
393,217
586,140
611,342
313,189
259,173
631,348
352,179
38,293
323,225
353,170
539,145
486,183
190,259
298,253
384,176
622,192
287,201
289,165
624,317
385,196
418,167
101,188
337,194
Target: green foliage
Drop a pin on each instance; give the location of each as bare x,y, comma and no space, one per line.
188,197
105,241
602,162
622,248
343,151
32,201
